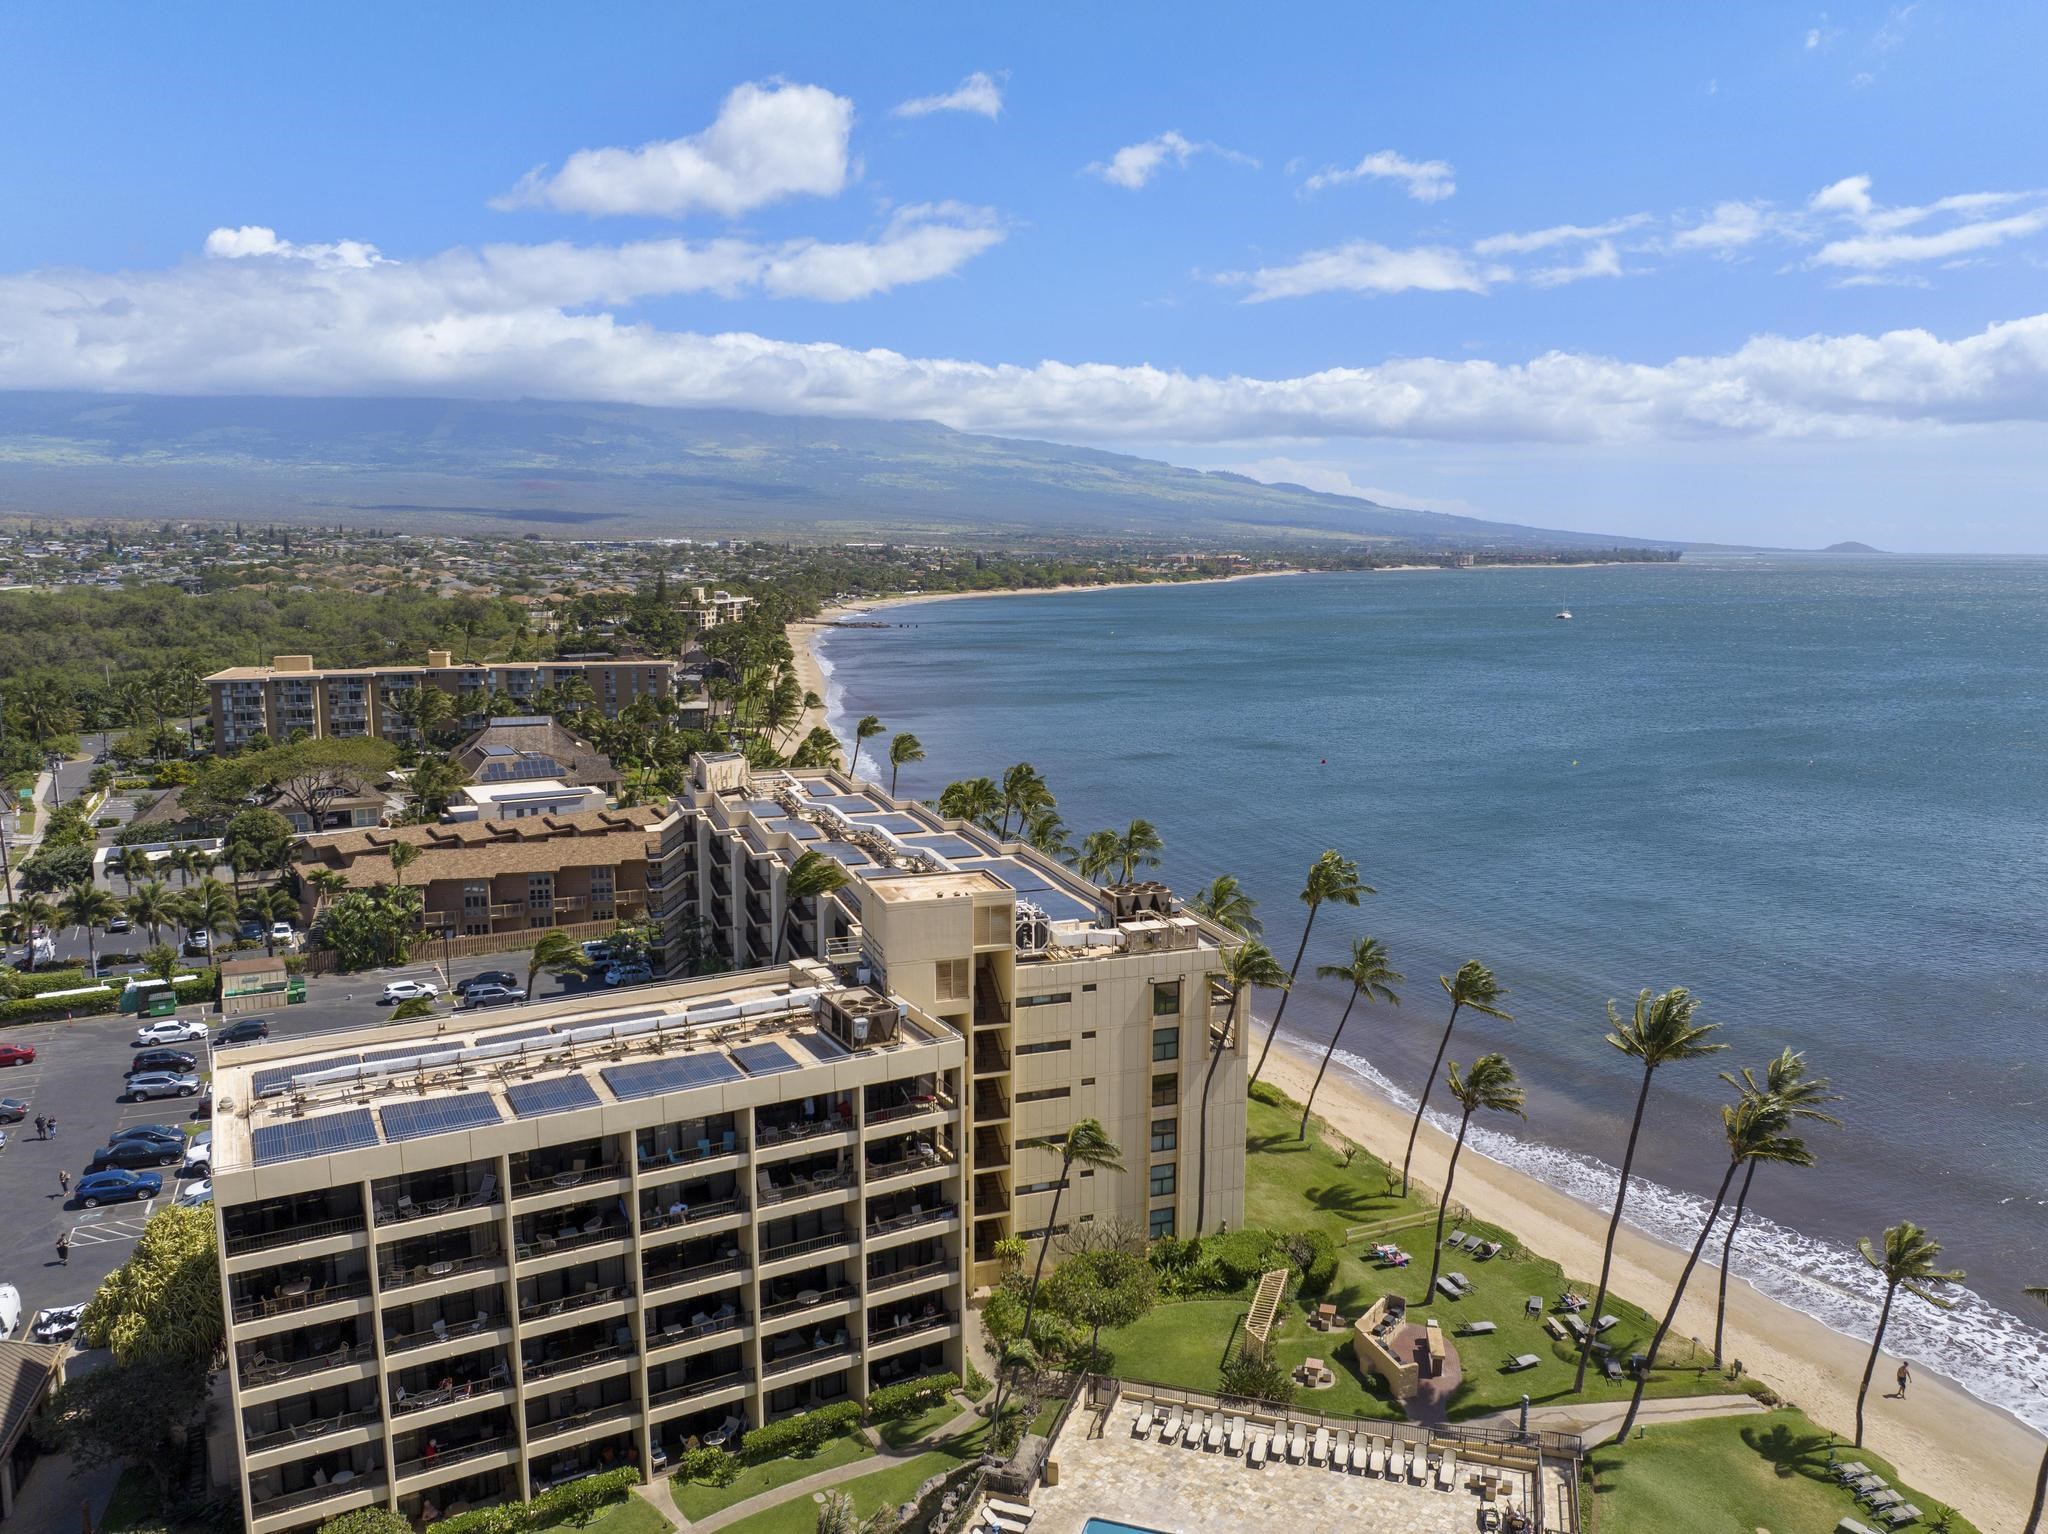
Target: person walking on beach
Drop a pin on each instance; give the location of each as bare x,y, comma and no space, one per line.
1905,1377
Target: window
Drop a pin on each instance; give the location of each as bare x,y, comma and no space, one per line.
1044,1095
1041,1187
1166,1091
1162,1180
1045,999
1088,1033
1166,998
1166,1044
952,980
1089,986
993,925
1162,1223
1165,1135
1050,1048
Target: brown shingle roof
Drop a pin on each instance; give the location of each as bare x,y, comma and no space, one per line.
25,1369
476,849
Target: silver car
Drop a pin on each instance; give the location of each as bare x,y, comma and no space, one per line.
149,1084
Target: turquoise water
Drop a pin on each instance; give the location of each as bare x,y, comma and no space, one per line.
1110,1526
1815,790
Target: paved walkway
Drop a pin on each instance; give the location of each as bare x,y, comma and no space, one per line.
55,1499
663,1499
1594,1420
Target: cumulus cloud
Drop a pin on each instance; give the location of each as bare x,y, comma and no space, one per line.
978,93
1426,180
1135,164
769,142
254,240
1360,266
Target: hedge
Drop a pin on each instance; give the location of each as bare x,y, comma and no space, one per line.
804,1433
896,1400
573,1502
713,1467
201,988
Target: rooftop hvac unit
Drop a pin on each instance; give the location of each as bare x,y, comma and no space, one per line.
1131,902
1034,928
862,1019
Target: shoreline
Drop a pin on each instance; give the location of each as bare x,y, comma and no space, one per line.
1972,1455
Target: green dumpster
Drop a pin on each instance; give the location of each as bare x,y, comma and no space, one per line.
162,1004
295,989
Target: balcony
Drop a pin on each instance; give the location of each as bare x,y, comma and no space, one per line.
399,1199
484,1382
798,1185
558,1172
569,1363
311,1496
690,1389
991,1149
917,1106
291,1298
991,1197
697,1263
897,1330
256,1371
540,1432
824,1241
790,1362
442,1331
778,1129
568,1304
690,1214
910,1218
900,1160
445,1455
990,1105
279,1223
808,1299
307,1432
444,1267
702,1324
568,1238
916,1273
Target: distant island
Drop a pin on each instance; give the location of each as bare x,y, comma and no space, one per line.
1851,547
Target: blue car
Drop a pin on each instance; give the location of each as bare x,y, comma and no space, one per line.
96,1188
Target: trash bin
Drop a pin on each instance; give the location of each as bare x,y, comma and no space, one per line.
295,989
1052,1472
162,1004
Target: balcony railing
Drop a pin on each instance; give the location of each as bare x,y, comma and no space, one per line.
537,1310
291,1235
818,1297
663,1220
476,1326
701,1387
307,1496
798,1130
808,1244
726,1144
499,1378
454,1454
537,1432
541,1245
305,1431
306,1299
407,1209
805,1187
916,1108
909,1275
911,1328
559,1182
911,1218
902,1166
656,1282
447,1267
710,1326
259,1370
808,1356
540,1369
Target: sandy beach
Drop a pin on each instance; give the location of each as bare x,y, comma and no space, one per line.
1945,1441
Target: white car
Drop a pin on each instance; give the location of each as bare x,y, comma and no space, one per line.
628,974
170,1030
196,1194
283,933
199,1157
410,990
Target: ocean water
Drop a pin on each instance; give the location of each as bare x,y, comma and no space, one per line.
1813,789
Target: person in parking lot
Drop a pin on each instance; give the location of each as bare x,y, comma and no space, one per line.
64,1249
50,1127
42,1127
64,1181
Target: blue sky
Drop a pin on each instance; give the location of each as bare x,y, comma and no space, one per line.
1763,273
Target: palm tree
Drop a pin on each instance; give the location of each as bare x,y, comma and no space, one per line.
1024,794
1755,1129
1473,986
557,953
904,748
33,914
1097,855
1331,877
86,905
1490,1084
1137,845
1907,1262
868,728
1046,832
2040,1480
326,883
267,907
977,800
403,855
1367,973
1785,1079
152,905
421,709
1660,1032
812,875
1085,1144
184,862
209,907
131,863
1250,963
1224,901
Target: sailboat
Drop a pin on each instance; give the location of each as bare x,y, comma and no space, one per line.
1565,613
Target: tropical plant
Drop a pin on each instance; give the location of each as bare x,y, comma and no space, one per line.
403,855
820,748
209,907
1085,1144
1097,856
88,906
904,748
151,906
1331,878
1137,845
1104,1286
268,907
1045,832
366,1520
812,875
1025,794
837,1515
1905,1261
160,960
1250,964
127,1414
161,1306
29,915
256,840
1473,986
422,710
131,864
1801,1096
1491,1085
976,800
868,728
558,954
1660,1032
1754,1126
1225,902
1366,973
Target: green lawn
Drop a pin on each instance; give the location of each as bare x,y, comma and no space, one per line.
695,1500
1735,1473
134,1503
630,1516
905,1431
870,1493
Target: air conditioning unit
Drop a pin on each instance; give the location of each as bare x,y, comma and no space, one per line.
862,1019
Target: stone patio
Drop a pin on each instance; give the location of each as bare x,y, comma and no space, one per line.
1178,1490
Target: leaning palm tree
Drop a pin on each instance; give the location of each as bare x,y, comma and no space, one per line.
131,863
904,748
1907,1262
812,875
1331,878
976,800
868,728
1025,794
1249,964
1085,1144
1473,986
1660,1032
1491,1085
1367,973
151,906
1754,1126
1801,1097
2041,1479
557,953
88,906
1224,901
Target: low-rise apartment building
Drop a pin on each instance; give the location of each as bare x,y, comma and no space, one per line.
291,693
461,1265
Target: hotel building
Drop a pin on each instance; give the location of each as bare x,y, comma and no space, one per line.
291,693
461,1265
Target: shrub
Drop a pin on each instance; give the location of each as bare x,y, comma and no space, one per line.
714,1467
802,1434
1315,1254
1261,1379
1240,1256
898,1400
975,1383
1265,1092
578,1502
507,1518
412,1006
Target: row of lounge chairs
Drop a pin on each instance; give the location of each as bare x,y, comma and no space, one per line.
1479,1246
1886,1503
1346,1450
999,1515
1455,1286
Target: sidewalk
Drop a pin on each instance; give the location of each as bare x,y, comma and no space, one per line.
1598,1419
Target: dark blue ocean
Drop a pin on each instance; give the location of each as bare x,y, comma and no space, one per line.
1813,789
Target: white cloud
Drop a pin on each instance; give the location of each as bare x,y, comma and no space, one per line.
1730,226
1880,241
1880,250
768,142
467,324
1813,38
1557,234
1850,195
1426,180
1599,260
253,240
1360,266
1334,479
978,93
1135,164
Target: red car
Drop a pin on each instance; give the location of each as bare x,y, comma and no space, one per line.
16,1054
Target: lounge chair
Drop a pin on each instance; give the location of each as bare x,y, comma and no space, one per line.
1198,1429
1234,1443
1849,1472
1214,1435
1447,1471
1477,1329
1457,1238
1319,1450
1878,1501
1172,1426
1297,1444
1524,1361
1864,1484
1611,1367
1378,1463
1488,1249
1397,1464
1462,1281
1143,1423
1898,1517
1851,1526
1015,1515
996,1522
1340,1451
1448,1288
1257,1458
1578,1328
1604,1322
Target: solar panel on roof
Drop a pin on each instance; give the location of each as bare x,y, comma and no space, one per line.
853,804
822,1045
845,853
348,1130
763,1059
439,1115
267,1081
543,1031
558,1094
654,1077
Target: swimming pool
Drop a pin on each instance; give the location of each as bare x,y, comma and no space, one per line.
1111,1526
